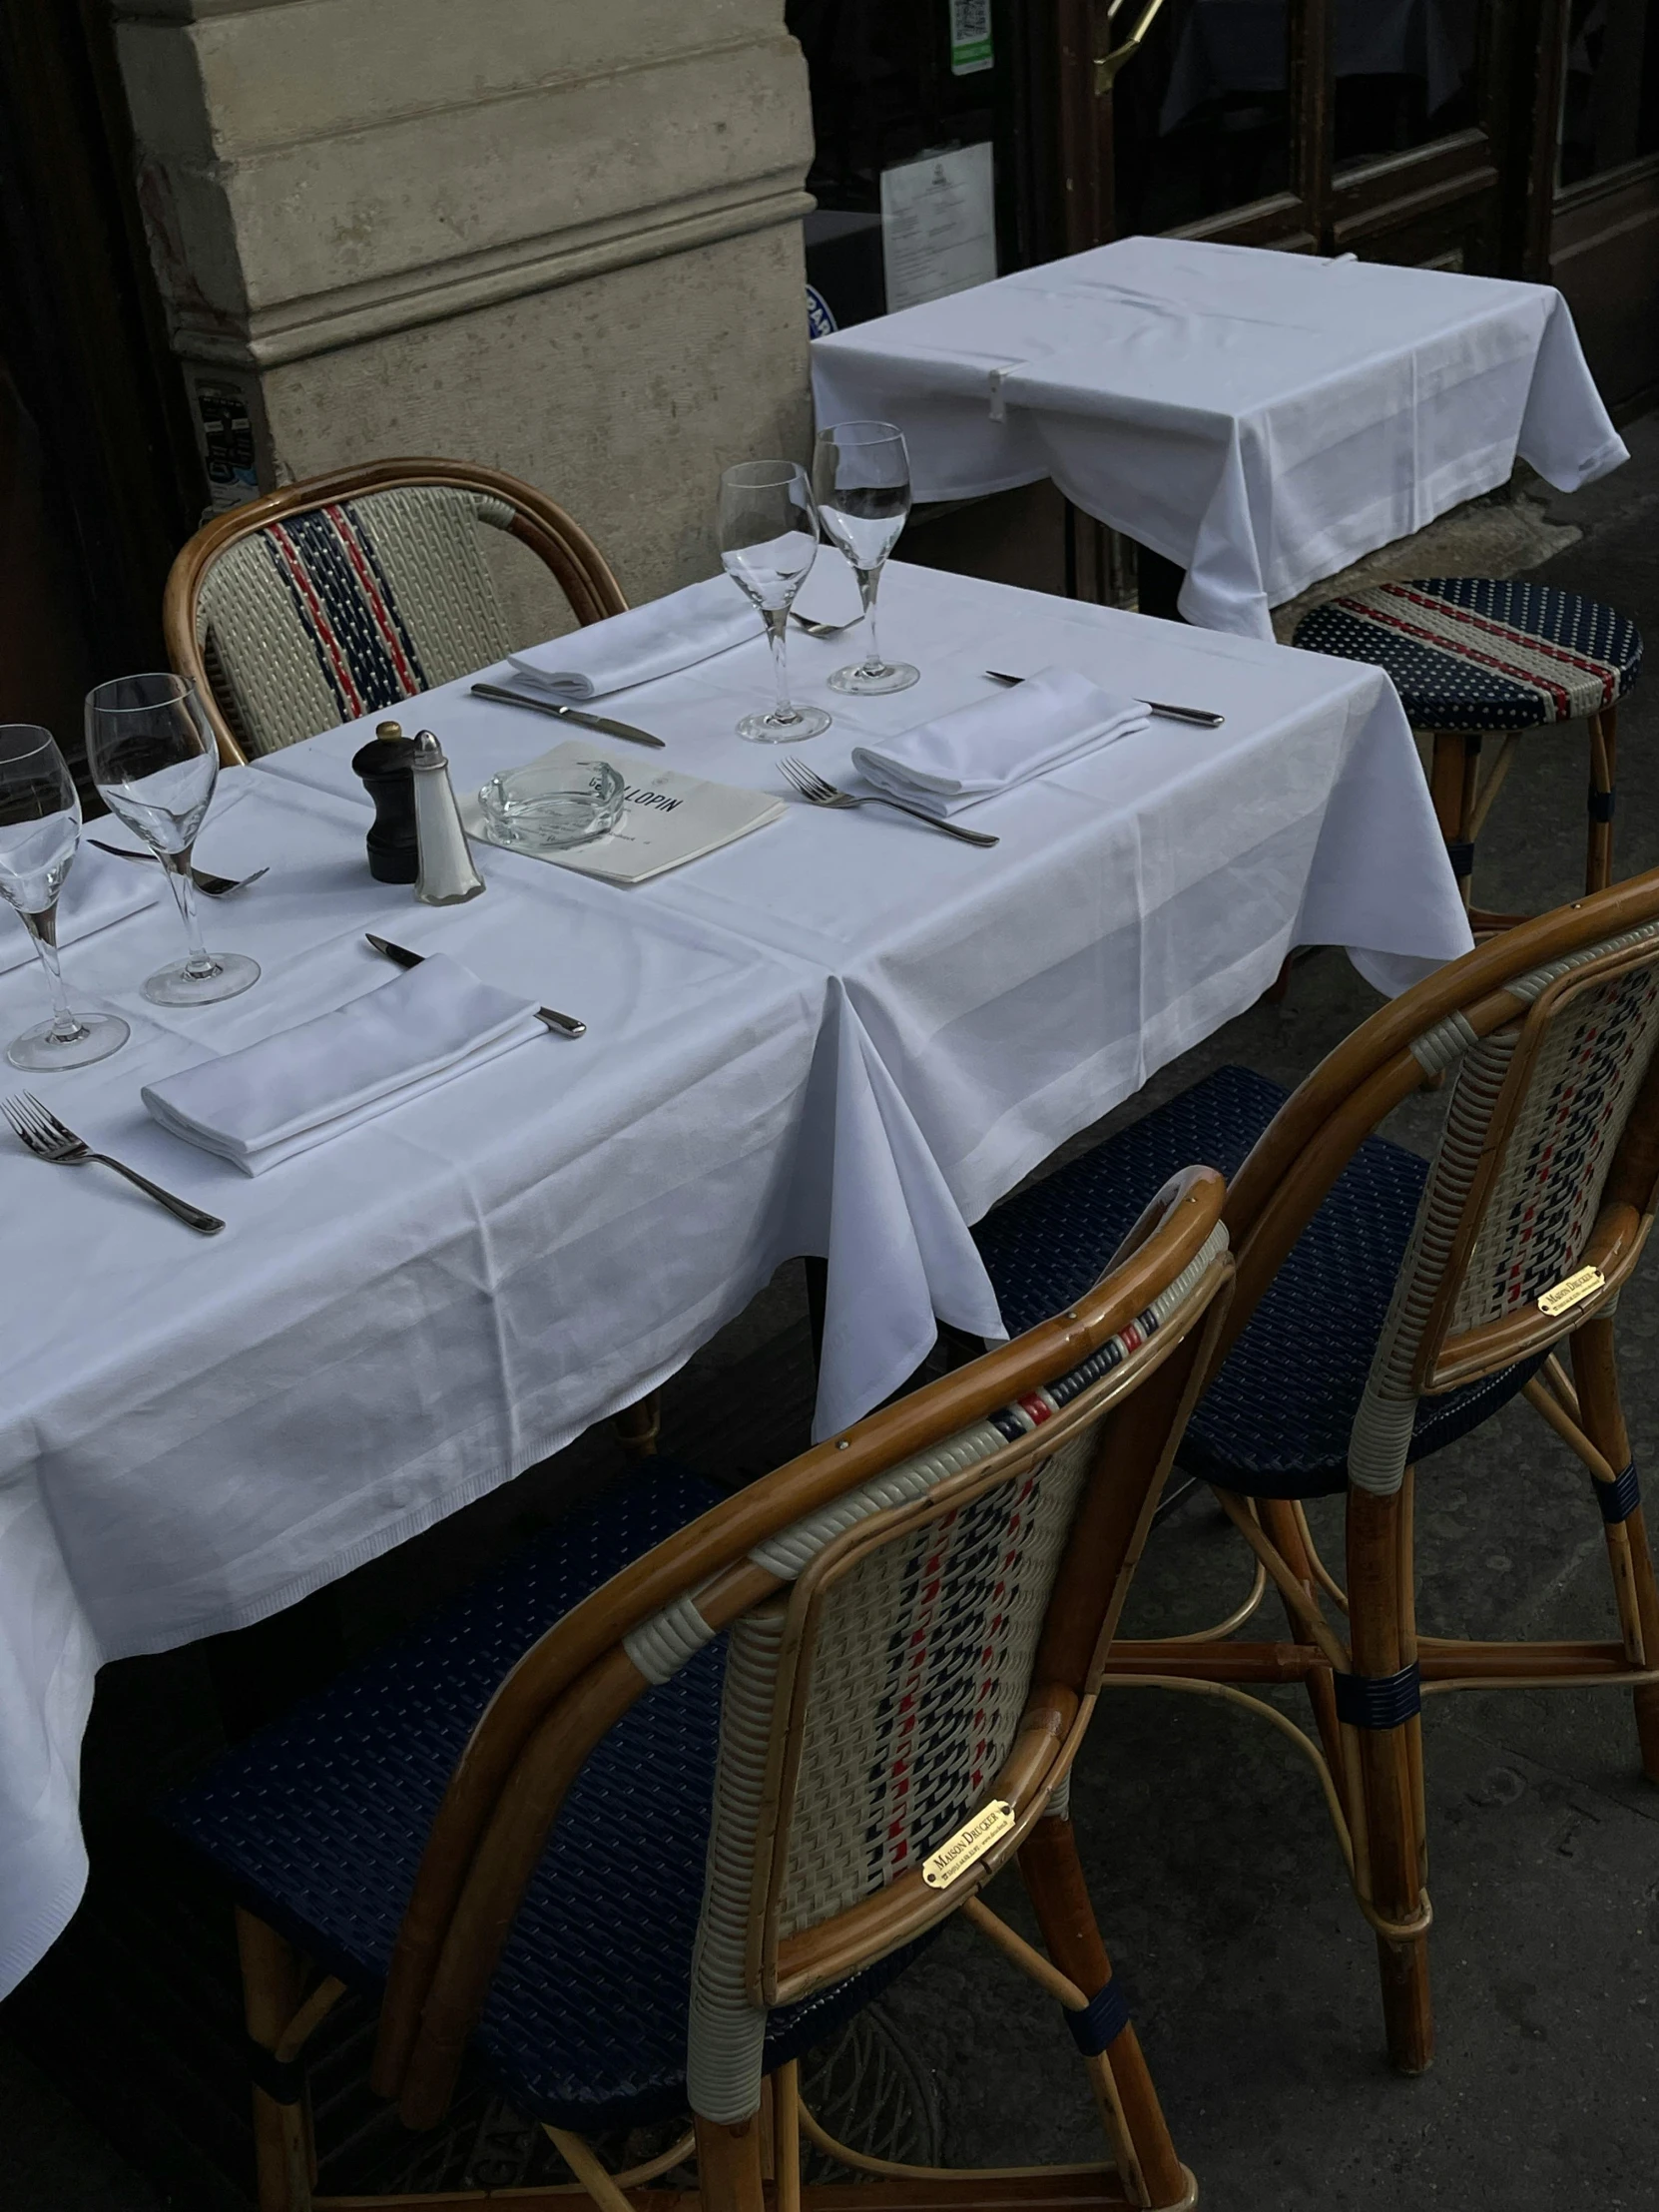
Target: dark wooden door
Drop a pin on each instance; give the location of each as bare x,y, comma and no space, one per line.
99,477
1397,130
1596,216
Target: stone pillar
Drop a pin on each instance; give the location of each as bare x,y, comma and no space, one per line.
561,237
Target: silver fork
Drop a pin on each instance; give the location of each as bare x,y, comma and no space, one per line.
50,1139
823,629
211,886
814,789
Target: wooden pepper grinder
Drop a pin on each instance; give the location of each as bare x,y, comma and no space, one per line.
386,765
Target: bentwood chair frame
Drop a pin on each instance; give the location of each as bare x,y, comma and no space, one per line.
769,1565
1463,789
537,522
1500,1017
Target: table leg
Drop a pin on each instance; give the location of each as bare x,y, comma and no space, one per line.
1159,584
817,1296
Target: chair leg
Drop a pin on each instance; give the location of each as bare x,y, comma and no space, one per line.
729,2165
1383,1643
1597,1375
785,2136
1284,1532
271,1978
1452,783
1598,853
1053,1877
1280,989
637,1426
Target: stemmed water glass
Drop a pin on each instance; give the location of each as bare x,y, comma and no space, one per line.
40,830
768,542
155,761
861,474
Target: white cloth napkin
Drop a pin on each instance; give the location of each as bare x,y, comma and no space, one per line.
304,1085
978,750
98,890
644,642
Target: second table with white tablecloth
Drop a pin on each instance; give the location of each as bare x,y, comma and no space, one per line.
1260,419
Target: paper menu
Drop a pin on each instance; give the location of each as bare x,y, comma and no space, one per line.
668,819
938,224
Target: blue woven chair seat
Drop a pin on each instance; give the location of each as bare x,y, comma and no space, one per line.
1479,652
318,1822
1275,1421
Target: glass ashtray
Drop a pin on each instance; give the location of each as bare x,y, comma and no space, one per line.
553,804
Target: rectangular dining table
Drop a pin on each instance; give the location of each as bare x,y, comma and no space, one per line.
843,1035
1259,418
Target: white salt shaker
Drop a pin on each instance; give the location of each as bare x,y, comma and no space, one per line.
448,876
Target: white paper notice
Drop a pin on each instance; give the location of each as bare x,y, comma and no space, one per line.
938,226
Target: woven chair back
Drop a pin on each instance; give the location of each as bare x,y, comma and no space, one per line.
347,595
916,1612
885,1700
1535,1118
351,608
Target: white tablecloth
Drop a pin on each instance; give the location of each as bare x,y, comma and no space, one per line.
1139,898
843,1034
1260,419
194,1432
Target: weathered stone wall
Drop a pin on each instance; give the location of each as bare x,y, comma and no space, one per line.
561,237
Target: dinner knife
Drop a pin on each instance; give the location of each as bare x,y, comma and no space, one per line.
566,1025
561,713
1202,716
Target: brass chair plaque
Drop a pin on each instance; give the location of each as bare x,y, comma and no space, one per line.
1573,1292
971,1841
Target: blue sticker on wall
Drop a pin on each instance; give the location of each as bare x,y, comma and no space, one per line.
820,321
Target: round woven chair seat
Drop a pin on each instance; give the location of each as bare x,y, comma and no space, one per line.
1275,1422
1481,653
319,1823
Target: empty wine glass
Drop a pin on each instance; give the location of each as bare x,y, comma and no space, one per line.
40,830
768,542
155,761
861,474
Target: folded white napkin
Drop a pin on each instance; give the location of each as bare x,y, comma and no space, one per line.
296,1089
632,648
984,749
98,890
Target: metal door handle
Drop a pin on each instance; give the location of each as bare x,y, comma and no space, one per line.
1107,66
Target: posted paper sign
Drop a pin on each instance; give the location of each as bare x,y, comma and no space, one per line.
938,226
970,37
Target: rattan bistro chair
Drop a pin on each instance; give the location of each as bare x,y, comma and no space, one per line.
652,1810
1385,1306
1480,657
346,593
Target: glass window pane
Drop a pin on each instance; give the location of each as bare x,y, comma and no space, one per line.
1199,116
1610,95
882,91
1405,74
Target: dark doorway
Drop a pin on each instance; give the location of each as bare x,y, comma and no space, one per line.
101,482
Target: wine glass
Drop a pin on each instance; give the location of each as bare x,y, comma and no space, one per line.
861,474
155,761
40,830
768,542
